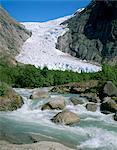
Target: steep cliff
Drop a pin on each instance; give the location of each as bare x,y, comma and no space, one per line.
12,36
92,33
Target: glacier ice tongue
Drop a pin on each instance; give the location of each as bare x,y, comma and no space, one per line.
39,50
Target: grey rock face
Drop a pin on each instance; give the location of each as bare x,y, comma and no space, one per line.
92,33
12,36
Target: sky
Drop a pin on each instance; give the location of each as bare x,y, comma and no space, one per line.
41,10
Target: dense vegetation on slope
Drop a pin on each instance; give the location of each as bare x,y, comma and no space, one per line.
92,33
29,76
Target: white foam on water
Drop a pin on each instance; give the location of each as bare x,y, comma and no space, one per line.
88,136
100,138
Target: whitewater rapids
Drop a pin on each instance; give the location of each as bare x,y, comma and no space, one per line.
96,131
40,49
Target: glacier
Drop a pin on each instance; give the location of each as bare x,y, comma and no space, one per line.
40,49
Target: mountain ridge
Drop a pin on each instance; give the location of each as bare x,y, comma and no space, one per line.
12,36
92,33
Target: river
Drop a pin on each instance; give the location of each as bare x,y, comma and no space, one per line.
29,124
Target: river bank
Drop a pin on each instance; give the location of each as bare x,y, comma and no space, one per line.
36,146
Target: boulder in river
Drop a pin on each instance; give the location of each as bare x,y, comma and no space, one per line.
57,102
92,97
39,93
110,89
91,106
10,101
66,117
108,105
76,100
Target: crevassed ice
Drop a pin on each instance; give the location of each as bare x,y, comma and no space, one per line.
39,50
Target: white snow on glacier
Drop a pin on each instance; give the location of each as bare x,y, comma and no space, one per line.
39,49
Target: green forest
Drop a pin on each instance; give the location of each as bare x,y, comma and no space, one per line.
23,76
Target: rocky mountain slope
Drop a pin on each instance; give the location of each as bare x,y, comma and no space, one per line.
12,36
92,33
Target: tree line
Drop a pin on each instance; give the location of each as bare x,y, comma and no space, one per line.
23,76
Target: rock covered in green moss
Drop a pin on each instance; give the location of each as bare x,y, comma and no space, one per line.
10,100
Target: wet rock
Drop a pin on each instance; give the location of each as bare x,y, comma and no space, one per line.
108,105
55,103
61,89
110,89
76,100
91,107
66,117
40,93
10,101
92,97
115,116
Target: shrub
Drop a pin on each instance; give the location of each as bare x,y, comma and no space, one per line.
3,88
29,76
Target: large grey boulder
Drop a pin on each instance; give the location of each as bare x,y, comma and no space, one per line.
39,94
91,106
108,105
76,100
110,89
55,103
66,117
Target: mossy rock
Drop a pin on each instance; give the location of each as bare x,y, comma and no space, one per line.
10,100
